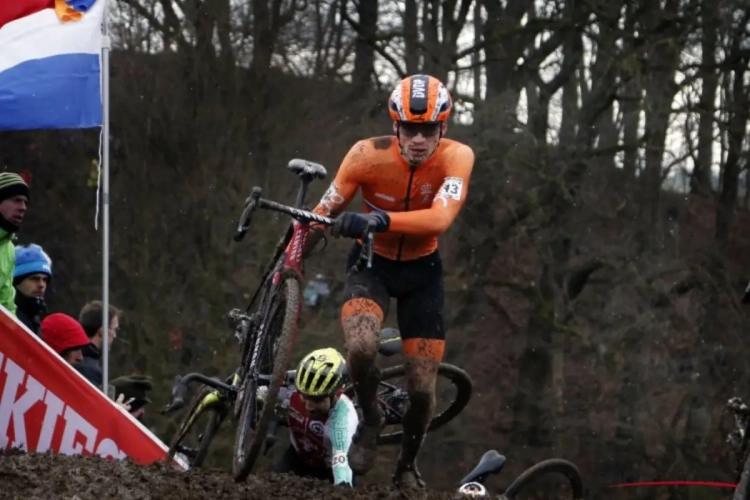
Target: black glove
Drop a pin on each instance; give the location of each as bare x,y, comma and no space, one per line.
353,225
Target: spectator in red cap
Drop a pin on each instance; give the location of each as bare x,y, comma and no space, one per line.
65,336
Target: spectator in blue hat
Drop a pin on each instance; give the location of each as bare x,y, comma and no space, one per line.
14,196
31,276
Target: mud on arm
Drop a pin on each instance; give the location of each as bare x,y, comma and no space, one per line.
339,194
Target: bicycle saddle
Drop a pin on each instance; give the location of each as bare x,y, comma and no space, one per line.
390,342
304,167
491,462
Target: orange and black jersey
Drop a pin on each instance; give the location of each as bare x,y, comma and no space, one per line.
422,201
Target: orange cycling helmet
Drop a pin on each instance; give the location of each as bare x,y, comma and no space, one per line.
420,99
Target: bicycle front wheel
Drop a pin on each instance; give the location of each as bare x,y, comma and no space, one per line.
276,352
188,440
551,466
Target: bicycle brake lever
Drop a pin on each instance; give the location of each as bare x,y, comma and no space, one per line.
251,203
369,238
370,251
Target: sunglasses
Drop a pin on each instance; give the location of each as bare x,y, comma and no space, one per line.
414,129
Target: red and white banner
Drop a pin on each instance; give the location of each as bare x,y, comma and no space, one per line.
45,404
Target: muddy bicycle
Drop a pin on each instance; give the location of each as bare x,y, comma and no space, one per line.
492,462
214,404
267,335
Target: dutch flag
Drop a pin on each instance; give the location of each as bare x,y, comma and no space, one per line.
50,70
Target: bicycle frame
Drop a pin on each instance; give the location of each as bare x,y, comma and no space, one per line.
297,232
284,261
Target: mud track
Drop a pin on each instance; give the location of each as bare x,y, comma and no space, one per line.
42,476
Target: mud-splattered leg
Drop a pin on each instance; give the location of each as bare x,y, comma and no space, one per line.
361,320
423,359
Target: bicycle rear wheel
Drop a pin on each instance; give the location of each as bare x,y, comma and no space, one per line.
214,413
551,466
455,375
280,331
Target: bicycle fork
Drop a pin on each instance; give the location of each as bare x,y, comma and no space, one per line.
250,370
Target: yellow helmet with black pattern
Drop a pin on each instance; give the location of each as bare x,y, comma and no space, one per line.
321,373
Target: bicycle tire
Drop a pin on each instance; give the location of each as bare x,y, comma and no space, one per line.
742,491
458,377
242,466
215,419
552,465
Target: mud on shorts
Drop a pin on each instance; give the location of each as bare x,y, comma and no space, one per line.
417,286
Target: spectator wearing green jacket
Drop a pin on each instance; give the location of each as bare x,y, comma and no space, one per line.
14,197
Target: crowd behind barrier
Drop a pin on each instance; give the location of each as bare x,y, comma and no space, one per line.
51,395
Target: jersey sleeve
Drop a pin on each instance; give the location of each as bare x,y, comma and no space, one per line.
344,186
342,425
447,203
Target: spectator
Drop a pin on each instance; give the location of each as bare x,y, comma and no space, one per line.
65,336
31,276
14,196
132,390
316,291
90,319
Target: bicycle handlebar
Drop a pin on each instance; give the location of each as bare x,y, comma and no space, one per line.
251,204
179,389
254,201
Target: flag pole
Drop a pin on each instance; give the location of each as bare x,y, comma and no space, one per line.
106,45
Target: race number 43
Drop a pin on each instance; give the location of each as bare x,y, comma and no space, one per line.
452,188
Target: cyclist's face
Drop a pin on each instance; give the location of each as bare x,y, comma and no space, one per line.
317,407
419,140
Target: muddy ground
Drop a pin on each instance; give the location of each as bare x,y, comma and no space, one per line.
41,476
36,476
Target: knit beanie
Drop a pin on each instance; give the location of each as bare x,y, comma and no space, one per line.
11,185
61,333
31,259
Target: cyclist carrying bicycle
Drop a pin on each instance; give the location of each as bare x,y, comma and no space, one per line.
414,184
322,420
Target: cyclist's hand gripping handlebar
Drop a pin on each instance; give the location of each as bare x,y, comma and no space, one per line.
179,394
247,215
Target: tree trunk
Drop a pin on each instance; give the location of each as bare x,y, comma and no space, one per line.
364,52
663,59
700,180
739,106
411,37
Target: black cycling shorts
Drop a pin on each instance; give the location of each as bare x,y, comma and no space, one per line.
417,286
